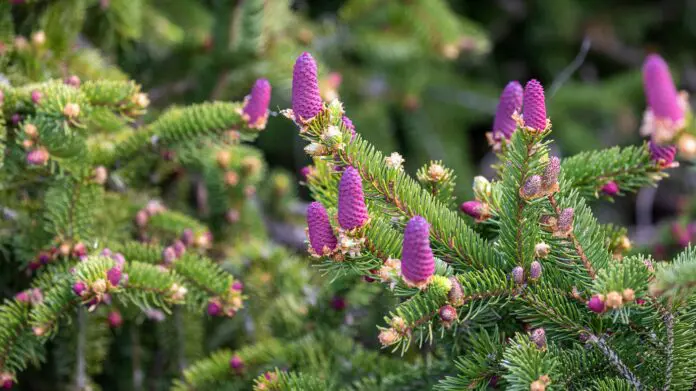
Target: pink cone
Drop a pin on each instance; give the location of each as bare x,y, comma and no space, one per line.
510,101
352,211
320,232
417,262
660,92
306,99
256,107
534,106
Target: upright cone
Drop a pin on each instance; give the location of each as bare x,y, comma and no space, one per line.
417,262
255,108
534,107
306,99
352,211
321,235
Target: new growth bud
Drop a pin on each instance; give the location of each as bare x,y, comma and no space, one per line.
663,155
395,160
518,275
614,300
539,338
610,188
448,314
71,110
535,270
541,250
388,337
550,177
596,304
531,188
476,209
564,226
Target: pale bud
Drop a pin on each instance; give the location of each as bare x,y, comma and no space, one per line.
436,172
38,38
315,149
687,146
541,250
100,175
614,300
388,337
332,134
99,286
482,187
395,160
31,130
71,110
141,100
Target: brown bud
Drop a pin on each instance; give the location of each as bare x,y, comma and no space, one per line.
388,337
628,295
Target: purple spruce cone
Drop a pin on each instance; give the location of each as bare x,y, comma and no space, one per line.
352,211
534,107
660,92
214,308
510,101
321,234
349,125
531,187
306,100
539,337
518,275
417,262
256,106
236,362
553,168
535,270
610,188
79,288
662,154
114,276
473,208
596,304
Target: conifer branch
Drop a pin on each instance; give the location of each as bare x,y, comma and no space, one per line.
615,360
576,243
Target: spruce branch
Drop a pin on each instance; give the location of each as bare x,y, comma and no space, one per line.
668,320
615,360
576,243
396,192
630,168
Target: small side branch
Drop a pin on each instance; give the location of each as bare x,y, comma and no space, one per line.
668,318
613,358
81,369
576,243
